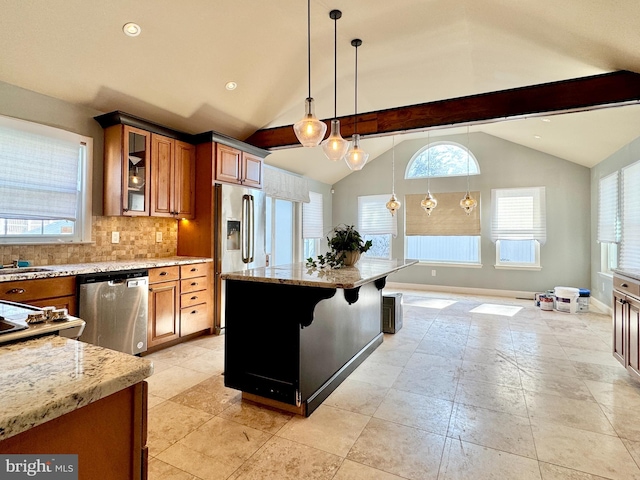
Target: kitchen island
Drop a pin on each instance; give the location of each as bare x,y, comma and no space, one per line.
62,396
294,333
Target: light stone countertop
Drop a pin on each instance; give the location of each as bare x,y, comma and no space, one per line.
47,377
364,271
633,273
81,268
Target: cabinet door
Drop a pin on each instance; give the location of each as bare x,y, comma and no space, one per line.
228,164
185,180
251,170
136,161
162,175
633,338
619,327
163,313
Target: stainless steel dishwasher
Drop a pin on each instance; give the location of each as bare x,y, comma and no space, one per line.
114,306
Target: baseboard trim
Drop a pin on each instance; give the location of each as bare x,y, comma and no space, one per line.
600,306
465,290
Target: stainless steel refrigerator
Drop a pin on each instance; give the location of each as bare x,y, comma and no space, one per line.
240,220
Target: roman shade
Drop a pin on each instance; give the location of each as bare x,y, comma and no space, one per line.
285,185
447,219
608,226
374,218
38,175
312,212
518,214
630,208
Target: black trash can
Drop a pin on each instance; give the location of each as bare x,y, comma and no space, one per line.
391,312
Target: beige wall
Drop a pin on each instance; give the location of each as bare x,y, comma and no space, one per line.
137,235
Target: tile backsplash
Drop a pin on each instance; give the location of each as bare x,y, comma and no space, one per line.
137,240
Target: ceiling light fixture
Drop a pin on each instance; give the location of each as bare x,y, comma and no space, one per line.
131,29
429,202
335,147
393,205
356,157
231,85
309,131
468,203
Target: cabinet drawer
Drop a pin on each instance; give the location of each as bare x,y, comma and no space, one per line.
194,298
626,285
194,284
41,288
194,270
164,274
195,319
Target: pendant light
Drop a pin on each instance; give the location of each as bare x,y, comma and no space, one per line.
393,205
310,131
468,203
334,146
429,202
356,157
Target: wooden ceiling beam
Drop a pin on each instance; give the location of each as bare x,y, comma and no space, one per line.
586,93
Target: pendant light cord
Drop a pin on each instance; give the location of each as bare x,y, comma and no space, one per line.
309,43
467,158
355,115
335,67
393,165
428,161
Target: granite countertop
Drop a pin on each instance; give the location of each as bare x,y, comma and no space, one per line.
80,268
47,377
17,314
364,271
633,273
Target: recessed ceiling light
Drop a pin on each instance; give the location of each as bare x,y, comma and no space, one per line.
131,29
231,85
546,120
537,137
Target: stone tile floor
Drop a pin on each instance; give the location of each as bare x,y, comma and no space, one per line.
453,395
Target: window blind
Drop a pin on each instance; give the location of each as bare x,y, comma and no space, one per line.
374,218
312,225
630,235
285,185
448,219
38,176
518,214
608,230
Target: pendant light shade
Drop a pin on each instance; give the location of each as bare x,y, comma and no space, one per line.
468,203
393,205
356,157
334,146
429,202
309,131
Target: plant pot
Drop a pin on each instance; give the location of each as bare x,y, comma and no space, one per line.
351,258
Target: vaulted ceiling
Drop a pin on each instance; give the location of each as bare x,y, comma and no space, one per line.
414,51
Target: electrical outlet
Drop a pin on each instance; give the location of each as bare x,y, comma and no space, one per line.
115,237
433,273
158,237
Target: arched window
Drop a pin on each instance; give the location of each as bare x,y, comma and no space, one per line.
441,159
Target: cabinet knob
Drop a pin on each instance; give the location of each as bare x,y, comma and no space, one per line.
622,302
151,289
194,312
14,291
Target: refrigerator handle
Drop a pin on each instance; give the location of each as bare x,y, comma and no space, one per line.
251,229
245,228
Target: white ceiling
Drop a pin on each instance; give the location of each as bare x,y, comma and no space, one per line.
413,51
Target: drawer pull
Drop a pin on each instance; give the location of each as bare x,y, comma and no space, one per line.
18,291
624,285
194,269
194,312
622,302
193,284
194,298
162,274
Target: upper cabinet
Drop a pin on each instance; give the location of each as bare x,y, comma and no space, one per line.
238,167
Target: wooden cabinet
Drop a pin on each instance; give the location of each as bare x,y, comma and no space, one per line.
59,292
147,174
180,302
237,167
626,323
173,173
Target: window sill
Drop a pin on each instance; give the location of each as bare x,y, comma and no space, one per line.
447,264
534,268
606,275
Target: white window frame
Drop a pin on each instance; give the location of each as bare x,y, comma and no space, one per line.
296,231
382,224
450,263
82,228
313,211
629,208
467,169
516,265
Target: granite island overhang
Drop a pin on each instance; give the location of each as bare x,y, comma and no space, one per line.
294,333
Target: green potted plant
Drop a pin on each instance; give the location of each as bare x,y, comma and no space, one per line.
346,245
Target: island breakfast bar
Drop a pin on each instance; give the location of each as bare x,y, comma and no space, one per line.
294,333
